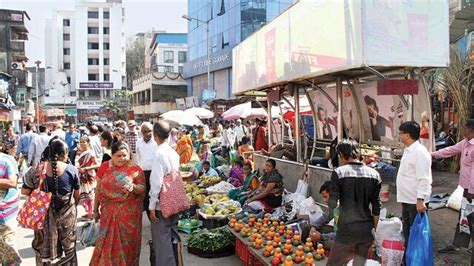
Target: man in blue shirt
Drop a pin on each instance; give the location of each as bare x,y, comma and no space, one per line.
25,141
72,138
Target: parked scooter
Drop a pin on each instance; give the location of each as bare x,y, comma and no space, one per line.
445,139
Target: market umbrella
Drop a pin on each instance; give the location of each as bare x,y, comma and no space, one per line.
245,110
181,118
200,112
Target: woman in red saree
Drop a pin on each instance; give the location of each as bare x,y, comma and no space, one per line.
120,193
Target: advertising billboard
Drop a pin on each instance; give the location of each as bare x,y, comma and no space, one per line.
316,37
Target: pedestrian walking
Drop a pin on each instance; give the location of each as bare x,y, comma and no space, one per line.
56,242
58,131
465,148
95,143
146,148
9,198
120,191
106,141
10,141
39,143
72,139
356,187
414,176
164,230
87,165
25,141
132,138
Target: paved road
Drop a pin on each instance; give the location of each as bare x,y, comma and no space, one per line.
25,237
443,224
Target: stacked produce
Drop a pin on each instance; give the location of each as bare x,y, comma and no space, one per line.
280,240
194,193
207,181
218,206
222,187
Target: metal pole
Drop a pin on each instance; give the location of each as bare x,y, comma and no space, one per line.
37,91
208,57
296,95
340,126
270,122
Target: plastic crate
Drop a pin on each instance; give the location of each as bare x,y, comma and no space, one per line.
254,261
242,251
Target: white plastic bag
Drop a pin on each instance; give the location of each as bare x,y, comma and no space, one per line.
454,202
466,209
302,188
388,229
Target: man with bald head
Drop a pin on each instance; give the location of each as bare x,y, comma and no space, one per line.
146,148
164,231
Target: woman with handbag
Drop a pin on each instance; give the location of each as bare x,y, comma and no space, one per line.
167,199
56,242
119,205
87,166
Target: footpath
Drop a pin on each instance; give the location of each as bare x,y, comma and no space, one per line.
443,223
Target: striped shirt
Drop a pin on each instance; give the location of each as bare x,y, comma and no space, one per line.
9,198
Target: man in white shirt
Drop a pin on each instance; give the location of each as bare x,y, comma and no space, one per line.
227,140
240,131
58,131
414,176
95,143
164,230
146,149
37,146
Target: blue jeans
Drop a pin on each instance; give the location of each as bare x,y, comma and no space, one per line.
319,161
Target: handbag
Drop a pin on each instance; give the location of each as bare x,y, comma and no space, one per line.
172,195
33,213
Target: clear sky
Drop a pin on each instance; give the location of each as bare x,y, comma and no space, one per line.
140,16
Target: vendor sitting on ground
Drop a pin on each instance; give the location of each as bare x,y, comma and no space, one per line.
206,170
269,195
245,149
320,231
236,174
250,184
206,153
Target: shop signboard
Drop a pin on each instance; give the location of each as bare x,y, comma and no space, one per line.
180,103
71,111
96,85
208,94
89,105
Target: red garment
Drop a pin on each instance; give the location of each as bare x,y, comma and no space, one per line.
424,133
119,241
261,142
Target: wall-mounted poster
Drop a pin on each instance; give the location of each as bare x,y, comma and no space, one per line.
349,114
381,114
326,113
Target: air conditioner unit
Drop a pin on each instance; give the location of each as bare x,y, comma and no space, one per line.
17,66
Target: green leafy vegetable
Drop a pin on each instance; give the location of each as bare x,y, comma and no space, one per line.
211,240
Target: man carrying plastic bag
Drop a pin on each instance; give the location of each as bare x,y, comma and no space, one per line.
413,180
420,245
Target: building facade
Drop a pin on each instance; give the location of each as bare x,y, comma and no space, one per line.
85,56
229,22
156,92
167,52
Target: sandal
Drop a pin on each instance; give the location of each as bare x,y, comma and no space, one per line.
449,249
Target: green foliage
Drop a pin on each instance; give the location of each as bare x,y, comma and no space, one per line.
211,240
135,56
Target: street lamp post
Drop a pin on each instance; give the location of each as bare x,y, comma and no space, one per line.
64,84
38,63
208,47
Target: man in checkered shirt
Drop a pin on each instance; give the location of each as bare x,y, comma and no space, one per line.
132,137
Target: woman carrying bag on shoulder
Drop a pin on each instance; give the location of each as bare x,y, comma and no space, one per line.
56,242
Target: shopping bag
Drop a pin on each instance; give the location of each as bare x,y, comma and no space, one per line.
420,245
172,195
302,187
89,234
466,209
33,213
